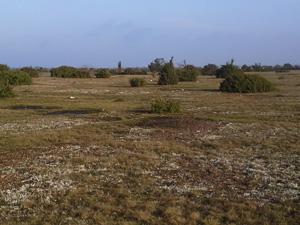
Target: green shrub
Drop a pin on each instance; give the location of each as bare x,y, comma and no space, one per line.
69,72
5,89
188,73
135,71
16,77
228,70
3,67
137,82
243,83
31,71
209,69
168,75
165,106
103,73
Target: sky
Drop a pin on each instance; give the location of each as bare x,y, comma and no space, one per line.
99,33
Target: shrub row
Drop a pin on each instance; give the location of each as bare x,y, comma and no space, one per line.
16,77
103,73
69,72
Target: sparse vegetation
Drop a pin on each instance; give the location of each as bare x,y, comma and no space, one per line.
242,83
165,106
137,82
69,72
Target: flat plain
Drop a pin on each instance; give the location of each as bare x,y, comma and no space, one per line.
89,151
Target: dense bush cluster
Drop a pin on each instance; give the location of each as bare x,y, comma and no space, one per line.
3,67
16,77
157,65
5,88
137,82
168,75
69,72
31,71
103,73
165,106
257,67
228,70
243,83
188,73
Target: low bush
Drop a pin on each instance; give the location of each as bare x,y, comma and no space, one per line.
103,73
31,71
209,69
135,71
137,82
5,89
69,72
165,106
188,73
16,77
168,75
243,83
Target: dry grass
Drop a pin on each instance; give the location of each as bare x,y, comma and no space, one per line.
87,151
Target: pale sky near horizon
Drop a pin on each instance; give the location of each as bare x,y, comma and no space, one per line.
102,32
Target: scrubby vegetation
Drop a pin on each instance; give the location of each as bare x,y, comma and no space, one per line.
135,71
3,67
15,77
243,83
168,75
103,73
31,71
228,70
165,106
137,82
69,72
5,88
157,65
188,73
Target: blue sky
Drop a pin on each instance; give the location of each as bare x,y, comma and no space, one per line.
102,32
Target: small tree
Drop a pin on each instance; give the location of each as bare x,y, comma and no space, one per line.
157,65
168,74
119,67
210,69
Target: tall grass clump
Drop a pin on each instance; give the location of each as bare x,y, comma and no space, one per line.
69,72
165,106
243,83
137,82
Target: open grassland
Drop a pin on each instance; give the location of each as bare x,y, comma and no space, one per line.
88,151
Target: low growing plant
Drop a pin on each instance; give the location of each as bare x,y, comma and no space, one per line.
5,88
165,106
16,77
69,72
188,73
31,71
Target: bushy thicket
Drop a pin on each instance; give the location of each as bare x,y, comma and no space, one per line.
3,67
165,106
103,73
16,77
243,83
5,88
188,73
210,69
31,71
137,82
168,75
227,70
69,72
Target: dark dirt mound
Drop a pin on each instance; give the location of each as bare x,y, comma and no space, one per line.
74,112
